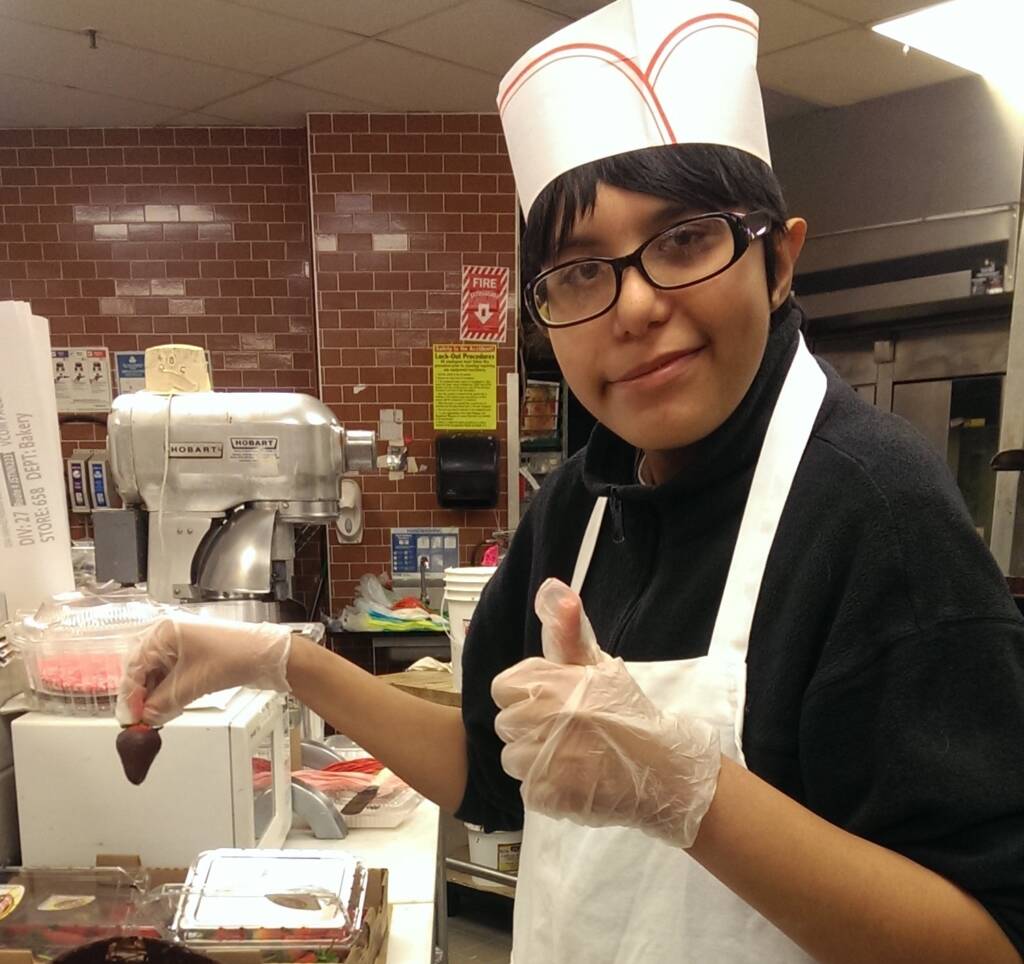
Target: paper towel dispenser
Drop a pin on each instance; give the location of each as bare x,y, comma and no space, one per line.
467,471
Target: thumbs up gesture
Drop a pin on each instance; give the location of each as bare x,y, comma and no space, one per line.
586,742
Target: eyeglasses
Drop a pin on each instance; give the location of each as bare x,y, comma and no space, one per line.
685,254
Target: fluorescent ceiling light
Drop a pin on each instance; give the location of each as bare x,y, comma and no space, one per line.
983,36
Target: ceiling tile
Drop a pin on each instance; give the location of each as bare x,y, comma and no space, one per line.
490,35
780,106
366,17
401,79
32,103
786,22
866,11
195,119
210,31
279,103
59,57
849,67
570,8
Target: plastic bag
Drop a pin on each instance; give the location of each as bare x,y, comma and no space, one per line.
374,610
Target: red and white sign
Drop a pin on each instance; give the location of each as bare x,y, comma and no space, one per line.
484,304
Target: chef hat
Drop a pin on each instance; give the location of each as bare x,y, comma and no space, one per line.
635,74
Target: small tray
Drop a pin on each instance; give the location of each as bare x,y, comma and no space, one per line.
272,898
388,812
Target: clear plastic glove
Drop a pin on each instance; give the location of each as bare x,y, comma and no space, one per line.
184,657
587,743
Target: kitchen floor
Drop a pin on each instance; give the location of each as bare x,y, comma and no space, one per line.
481,931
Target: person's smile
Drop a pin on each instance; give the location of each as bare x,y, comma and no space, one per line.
658,371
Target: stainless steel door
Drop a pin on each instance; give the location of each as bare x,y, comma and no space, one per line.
926,406
946,380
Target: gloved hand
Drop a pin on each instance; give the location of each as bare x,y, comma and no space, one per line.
183,657
587,743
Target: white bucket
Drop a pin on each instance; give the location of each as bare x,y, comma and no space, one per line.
462,588
498,850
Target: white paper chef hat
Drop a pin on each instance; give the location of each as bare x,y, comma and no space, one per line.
635,74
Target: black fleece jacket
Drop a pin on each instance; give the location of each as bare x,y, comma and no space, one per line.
886,660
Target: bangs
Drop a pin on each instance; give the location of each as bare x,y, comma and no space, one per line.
705,177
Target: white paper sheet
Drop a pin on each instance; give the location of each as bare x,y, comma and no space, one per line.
35,540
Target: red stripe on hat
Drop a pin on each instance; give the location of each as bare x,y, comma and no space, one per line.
622,57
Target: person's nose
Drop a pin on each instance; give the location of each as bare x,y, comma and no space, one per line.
640,306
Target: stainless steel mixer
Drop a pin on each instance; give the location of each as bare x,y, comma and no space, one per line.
217,483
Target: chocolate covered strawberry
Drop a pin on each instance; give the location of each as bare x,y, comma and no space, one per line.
138,745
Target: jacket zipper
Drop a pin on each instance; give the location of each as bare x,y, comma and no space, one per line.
615,506
618,537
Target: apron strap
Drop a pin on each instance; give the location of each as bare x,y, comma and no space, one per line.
790,428
586,553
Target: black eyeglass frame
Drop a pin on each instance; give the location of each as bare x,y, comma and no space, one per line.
745,228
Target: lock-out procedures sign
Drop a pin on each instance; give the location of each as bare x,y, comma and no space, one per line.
465,387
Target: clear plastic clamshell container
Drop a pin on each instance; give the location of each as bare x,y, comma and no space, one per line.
272,898
75,647
47,910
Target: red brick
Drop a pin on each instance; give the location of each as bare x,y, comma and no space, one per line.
242,156
274,288
212,155
228,175
47,137
388,123
213,194
37,195
227,135
424,123
15,138
35,157
464,163
195,175
426,202
483,223
497,242
443,183
53,175
408,260
388,164
17,175
412,300
424,163
479,144
262,136
463,123
372,261
192,135
391,202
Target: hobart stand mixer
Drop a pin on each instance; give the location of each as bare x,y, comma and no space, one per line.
214,486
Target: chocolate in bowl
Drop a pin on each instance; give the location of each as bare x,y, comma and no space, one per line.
132,950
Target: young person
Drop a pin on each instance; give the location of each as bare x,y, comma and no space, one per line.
789,729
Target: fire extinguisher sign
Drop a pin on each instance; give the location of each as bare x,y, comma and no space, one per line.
484,303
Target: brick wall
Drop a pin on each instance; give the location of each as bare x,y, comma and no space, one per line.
401,202
128,238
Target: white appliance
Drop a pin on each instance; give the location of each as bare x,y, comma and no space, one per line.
221,779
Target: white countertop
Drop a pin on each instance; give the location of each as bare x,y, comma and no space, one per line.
409,852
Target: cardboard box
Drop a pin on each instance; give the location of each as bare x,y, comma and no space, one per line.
370,946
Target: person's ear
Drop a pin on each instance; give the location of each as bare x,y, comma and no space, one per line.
788,245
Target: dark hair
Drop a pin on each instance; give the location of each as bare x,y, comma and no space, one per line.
706,177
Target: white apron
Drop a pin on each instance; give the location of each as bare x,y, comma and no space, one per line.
614,895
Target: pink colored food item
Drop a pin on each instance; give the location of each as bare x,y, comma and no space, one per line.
98,673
